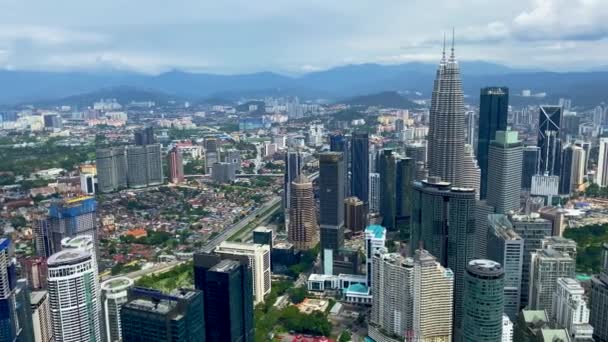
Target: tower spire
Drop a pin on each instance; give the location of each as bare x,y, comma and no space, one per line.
443,52
453,39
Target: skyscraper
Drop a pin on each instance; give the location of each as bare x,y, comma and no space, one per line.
530,167
483,301
471,174
144,165
227,288
74,296
9,321
303,229
433,298
570,310
405,178
506,247
41,316
111,166
176,166
331,205
23,311
360,165
151,315
339,143
144,136
293,168
70,218
599,300
114,294
549,127
493,113
387,167
446,138
375,239
443,219
41,233
602,164
547,265
532,228
504,172
573,169
355,216
374,192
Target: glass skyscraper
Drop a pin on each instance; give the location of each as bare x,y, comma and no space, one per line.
360,166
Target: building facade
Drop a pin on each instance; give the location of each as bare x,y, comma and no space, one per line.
599,300
547,265
331,206
114,294
41,316
602,164
387,167
569,309
176,166
374,192
355,215
70,218
549,128
503,174
360,165
303,229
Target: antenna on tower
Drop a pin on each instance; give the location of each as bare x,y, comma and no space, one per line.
453,39
443,45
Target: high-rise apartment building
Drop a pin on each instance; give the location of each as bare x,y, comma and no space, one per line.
144,136
549,128
114,294
258,257
375,239
176,166
360,165
331,205
443,220
111,164
303,230
504,172
42,235
34,268
151,315
223,172
227,287
533,229
355,216
569,309
144,165
387,167
599,300
547,265
483,301
506,247
447,123
41,316
374,192
601,177
74,296
493,113
70,218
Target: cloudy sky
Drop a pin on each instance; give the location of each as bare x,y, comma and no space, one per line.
296,36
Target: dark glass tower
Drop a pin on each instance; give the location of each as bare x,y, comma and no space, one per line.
405,177
339,143
331,202
530,166
549,135
387,166
360,166
144,136
493,112
227,288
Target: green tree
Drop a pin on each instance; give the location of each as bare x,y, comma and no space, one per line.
345,337
297,294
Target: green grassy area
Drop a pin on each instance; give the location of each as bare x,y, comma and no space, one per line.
181,276
589,240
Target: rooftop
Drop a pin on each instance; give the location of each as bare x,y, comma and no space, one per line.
68,256
533,316
358,288
377,231
117,284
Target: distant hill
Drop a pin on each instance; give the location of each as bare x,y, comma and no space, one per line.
390,99
123,94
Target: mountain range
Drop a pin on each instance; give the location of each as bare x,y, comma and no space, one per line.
340,83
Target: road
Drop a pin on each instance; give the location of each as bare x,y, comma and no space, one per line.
156,269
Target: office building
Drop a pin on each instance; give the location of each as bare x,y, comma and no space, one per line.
223,172
331,205
532,228
471,174
446,139
387,167
483,301
72,217
547,265
506,247
569,309
10,328
151,315
74,296
303,229
443,220
111,164
573,169
293,167
144,136
549,128
263,236
227,287
393,292
355,216
405,178
375,239
598,301
493,113
507,329
504,172
23,311
374,192
417,151
601,177
258,257
339,143
482,211
176,166
41,316
114,294
433,298
34,268
530,166
360,165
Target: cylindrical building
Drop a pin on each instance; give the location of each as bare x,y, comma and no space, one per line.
483,302
74,296
113,295
303,228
